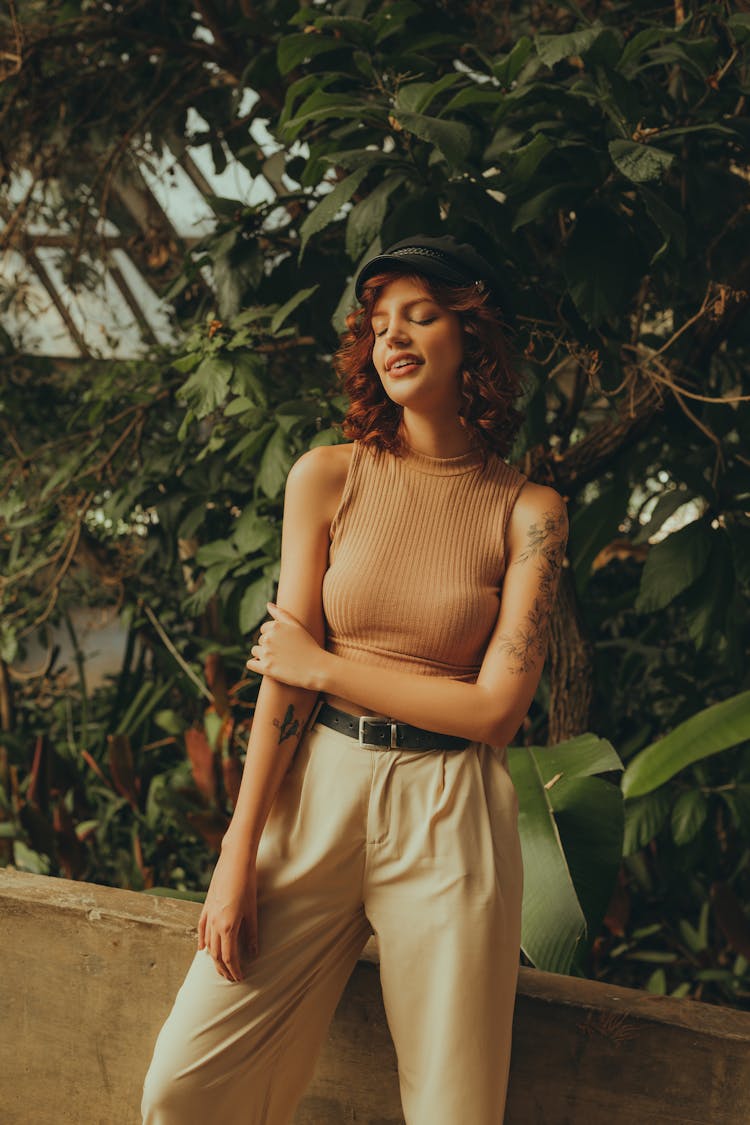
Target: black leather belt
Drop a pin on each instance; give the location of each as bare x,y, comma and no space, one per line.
376,733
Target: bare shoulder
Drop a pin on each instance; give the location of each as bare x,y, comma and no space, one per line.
534,500
538,521
319,475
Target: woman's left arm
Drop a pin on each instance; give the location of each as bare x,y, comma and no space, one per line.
490,710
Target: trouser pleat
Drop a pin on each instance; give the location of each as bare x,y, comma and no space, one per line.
423,849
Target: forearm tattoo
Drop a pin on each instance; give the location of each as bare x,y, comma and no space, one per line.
545,547
289,726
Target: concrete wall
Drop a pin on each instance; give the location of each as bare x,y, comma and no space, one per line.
89,973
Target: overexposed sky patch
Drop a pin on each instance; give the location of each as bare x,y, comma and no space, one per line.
102,315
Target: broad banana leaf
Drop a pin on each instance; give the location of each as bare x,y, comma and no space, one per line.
716,728
571,827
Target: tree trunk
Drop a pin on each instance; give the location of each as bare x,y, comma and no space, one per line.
570,666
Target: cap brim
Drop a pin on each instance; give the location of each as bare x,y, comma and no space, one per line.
407,263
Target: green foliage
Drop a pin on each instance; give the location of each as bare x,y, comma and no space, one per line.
570,823
129,808
598,157
708,732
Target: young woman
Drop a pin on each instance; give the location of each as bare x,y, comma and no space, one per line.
418,572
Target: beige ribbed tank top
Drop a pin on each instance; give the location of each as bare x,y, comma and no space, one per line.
417,560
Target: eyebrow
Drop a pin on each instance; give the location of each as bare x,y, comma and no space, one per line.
408,305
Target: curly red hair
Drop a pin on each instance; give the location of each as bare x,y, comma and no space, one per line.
489,383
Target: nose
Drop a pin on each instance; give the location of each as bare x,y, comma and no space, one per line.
397,331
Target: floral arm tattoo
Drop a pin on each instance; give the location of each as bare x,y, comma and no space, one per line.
289,726
545,545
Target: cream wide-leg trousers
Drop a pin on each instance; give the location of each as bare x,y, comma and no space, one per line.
420,847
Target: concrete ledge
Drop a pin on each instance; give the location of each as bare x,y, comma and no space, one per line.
90,972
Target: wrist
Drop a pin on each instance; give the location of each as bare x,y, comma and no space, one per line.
240,840
323,672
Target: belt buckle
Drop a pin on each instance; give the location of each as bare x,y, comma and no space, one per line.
377,745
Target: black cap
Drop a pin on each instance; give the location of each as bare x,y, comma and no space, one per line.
442,257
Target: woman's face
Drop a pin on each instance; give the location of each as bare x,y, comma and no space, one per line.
417,347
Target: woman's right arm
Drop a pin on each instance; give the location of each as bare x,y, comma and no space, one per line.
229,919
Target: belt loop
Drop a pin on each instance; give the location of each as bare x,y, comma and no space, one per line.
394,736
315,711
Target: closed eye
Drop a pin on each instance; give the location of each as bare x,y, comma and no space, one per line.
429,320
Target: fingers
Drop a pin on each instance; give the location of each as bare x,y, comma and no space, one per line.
213,944
215,949
224,948
279,614
202,930
251,929
230,956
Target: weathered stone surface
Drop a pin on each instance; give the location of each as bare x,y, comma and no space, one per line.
89,973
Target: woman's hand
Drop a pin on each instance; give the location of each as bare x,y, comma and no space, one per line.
228,925
286,650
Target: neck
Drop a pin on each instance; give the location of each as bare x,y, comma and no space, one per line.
446,438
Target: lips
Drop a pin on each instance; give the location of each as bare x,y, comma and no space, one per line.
405,360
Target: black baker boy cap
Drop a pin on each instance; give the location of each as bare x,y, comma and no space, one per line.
442,257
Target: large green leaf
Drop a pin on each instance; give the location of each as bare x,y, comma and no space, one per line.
296,49
548,891
348,29
553,48
416,97
451,138
509,66
644,817
275,463
389,20
330,205
327,106
527,158
708,732
218,550
286,310
639,162
688,815
251,532
207,387
590,820
254,602
570,824
673,565
472,96
583,756
708,602
641,42
543,203
367,217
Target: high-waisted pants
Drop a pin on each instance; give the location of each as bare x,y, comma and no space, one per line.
420,848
